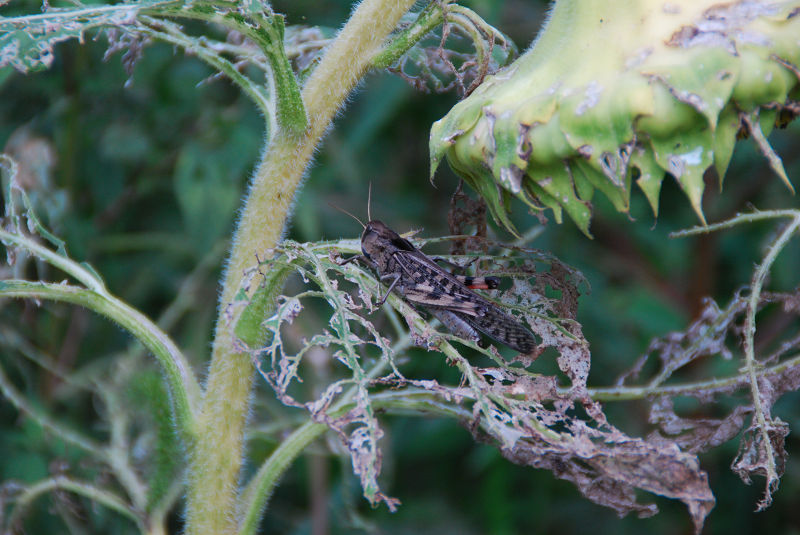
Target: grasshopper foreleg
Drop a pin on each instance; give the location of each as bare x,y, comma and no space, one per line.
395,278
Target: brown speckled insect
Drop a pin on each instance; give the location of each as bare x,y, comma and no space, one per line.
417,278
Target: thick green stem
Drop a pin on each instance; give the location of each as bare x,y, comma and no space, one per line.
271,471
216,460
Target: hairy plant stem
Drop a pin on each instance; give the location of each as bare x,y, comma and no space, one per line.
216,459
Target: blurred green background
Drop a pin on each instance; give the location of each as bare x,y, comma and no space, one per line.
147,176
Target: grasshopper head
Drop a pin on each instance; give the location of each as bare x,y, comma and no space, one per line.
379,242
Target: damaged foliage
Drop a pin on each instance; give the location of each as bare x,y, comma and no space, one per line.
254,38
718,333
545,421
459,56
770,367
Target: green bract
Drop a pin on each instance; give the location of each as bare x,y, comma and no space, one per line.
622,91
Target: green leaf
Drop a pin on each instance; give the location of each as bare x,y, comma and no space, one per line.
687,158
250,327
618,194
725,139
557,183
651,175
703,78
27,42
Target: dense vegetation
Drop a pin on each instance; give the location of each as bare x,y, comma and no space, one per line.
137,154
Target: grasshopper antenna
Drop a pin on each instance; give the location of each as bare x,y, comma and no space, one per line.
369,202
348,213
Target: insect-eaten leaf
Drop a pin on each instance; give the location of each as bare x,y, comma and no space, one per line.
330,322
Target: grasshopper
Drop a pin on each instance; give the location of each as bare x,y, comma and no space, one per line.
417,278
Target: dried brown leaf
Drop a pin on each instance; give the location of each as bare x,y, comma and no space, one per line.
718,333
696,435
754,457
608,472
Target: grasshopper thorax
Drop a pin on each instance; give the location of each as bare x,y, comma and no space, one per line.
379,243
